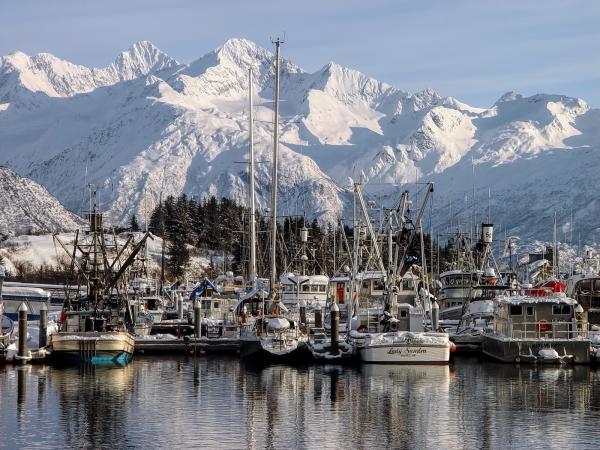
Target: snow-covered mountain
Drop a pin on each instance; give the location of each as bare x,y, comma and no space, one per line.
27,207
147,124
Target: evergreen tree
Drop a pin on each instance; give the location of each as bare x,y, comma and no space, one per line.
133,224
177,230
157,220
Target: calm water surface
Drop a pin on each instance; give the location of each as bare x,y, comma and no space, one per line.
217,402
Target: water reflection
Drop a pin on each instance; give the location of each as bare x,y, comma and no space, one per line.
219,402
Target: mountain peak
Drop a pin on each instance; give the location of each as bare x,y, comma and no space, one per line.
509,97
140,59
242,52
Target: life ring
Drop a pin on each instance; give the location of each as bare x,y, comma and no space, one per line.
544,326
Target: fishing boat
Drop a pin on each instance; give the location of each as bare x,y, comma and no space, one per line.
534,327
215,326
400,334
584,287
97,326
311,289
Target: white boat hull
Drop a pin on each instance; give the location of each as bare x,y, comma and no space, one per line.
407,348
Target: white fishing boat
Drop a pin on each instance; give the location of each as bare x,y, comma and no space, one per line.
405,347
311,289
478,317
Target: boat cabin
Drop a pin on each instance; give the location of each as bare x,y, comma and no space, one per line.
310,288
372,286
528,317
586,291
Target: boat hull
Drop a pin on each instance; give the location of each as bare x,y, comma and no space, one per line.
405,354
527,351
255,351
97,348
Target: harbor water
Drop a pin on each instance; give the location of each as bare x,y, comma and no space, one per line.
218,402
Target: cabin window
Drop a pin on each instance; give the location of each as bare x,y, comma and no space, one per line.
584,286
215,304
403,313
407,284
365,285
597,285
322,288
529,310
516,310
306,288
378,285
561,309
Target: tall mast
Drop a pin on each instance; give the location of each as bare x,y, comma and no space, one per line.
554,250
274,173
252,268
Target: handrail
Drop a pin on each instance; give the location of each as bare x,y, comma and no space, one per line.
542,329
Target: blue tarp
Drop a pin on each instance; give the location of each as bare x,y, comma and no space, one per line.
201,288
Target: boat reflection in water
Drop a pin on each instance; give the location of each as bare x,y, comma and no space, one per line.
221,402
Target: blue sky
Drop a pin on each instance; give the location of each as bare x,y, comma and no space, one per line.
472,50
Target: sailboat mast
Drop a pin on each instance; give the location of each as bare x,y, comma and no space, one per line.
554,250
251,184
274,172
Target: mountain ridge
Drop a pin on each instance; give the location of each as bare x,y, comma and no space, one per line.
153,125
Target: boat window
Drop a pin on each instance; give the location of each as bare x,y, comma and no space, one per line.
215,304
205,304
561,309
365,285
597,285
516,310
584,286
529,310
378,285
322,288
403,313
306,288
407,284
